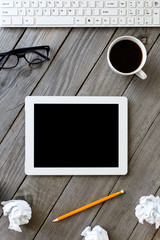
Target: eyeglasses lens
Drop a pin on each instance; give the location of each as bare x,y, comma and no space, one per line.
8,61
35,57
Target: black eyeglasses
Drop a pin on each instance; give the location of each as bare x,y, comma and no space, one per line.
33,55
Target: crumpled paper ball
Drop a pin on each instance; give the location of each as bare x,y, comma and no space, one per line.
97,233
19,213
149,210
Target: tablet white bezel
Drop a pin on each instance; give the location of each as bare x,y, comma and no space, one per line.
29,135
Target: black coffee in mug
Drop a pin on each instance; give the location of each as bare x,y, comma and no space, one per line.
126,56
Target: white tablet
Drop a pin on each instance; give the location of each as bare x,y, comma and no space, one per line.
76,135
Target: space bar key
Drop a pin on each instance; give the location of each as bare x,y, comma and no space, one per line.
54,20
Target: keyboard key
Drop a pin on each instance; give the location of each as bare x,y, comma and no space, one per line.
75,4
109,12
130,21
122,20
105,20
83,4
95,12
38,11
99,4
28,21
87,12
91,4
111,4
26,4
55,12
17,20
63,12
139,21
22,11
71,11
34,4
156,3
140,12
46,21
80,20
148,12
97,20
140,4
6,4
122,4
42,4
132,12
114,20
156,16
79,12
148,3
46,12
67,4
132,4
8,11
18,4
50,4
122,12
5,20
89,20
148,21
58,4
30,12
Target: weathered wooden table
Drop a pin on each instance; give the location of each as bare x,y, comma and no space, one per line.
78,67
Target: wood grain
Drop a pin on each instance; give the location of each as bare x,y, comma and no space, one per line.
144,231
74,61
20,82
102,80
78,66
157,236
143,179
12,163
35,192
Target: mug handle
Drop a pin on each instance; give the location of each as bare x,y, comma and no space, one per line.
141,74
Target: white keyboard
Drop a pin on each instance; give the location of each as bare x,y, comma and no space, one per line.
82,13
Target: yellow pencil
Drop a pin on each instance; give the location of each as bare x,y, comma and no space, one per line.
88,206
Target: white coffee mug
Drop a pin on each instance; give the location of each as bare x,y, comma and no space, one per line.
139,72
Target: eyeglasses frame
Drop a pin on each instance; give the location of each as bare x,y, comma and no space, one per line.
24,51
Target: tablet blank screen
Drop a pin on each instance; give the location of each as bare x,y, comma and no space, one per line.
76,135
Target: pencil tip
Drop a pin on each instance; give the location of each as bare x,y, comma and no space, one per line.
122,191
55,220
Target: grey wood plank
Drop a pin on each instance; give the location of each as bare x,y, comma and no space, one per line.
35,192
26,84
146,110
116,215
102,81
6,34
20,82
143,179
7,45
79,192
40,192
12,154
144,231
157,236
29,81
8,170
70,89
145,99
74,61
133,96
